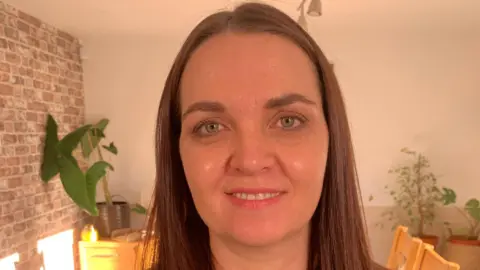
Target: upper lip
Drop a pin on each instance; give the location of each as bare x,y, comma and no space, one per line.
253,190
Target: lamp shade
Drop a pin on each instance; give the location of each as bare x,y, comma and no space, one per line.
315,8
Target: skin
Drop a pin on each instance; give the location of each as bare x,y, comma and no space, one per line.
252,118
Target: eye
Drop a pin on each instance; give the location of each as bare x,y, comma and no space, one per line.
207,128
290,122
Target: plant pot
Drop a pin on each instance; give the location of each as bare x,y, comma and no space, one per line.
112,217
463,251
430,239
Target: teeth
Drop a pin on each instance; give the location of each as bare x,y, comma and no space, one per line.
257,196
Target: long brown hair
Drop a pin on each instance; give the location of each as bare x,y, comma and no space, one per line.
180,239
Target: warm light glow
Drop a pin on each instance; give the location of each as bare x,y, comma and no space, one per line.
89,233
93,235
8,263
57,251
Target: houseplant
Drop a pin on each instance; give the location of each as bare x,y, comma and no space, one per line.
415,195
70,157
463,244
470,234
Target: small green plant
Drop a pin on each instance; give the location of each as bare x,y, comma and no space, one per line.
415,194
470,212
79,183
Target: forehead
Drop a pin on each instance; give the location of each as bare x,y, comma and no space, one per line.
236,67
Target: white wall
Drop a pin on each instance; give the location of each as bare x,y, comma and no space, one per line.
415,87
419,90
124,81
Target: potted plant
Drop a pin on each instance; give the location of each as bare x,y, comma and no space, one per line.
73,158
415,195
463,244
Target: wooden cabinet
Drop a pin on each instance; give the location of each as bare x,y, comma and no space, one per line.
108,255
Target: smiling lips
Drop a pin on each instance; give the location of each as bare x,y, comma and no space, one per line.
254,199
255,196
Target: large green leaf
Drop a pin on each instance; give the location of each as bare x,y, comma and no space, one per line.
70,157
49,167
91,139
72,139
75,185
448,196
139,209
92,176
473,208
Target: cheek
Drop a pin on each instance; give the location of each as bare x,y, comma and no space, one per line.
306,163
202,168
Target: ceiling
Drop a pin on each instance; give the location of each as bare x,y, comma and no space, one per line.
89,18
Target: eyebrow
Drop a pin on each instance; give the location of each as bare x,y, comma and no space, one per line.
288,99
273,103
204,106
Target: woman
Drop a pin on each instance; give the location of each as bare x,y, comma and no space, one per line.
255,167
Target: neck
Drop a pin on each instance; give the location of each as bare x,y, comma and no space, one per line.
289,254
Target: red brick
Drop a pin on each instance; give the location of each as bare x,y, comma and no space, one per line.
3,43
66,36
9,139
61,42
40,71
12,46
23,26
8,126
37,106
13,58
29,19
22,150
48,97
11,33
72,110
7,115
12,161
5,77
33,41
38,84
20,127
6,196
6,90
5,67
14,182
31,116
26,72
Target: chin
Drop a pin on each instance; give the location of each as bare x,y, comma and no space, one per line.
258,235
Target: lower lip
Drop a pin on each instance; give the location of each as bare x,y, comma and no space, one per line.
254,204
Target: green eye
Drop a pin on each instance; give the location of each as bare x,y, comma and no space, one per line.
211,127
289,122
207,128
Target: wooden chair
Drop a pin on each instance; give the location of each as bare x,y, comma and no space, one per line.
429,259
404,251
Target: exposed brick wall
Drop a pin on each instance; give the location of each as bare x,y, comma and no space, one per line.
40,72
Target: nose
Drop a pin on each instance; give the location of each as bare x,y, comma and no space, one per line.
252,153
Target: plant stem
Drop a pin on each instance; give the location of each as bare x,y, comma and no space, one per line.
419,202
106,190
470,223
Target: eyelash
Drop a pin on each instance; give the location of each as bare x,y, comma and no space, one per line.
196,130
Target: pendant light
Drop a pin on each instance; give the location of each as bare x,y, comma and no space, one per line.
315,8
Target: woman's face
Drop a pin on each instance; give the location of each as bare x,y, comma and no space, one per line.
254,140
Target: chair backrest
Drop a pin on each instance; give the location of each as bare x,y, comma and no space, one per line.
404,251
429,259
